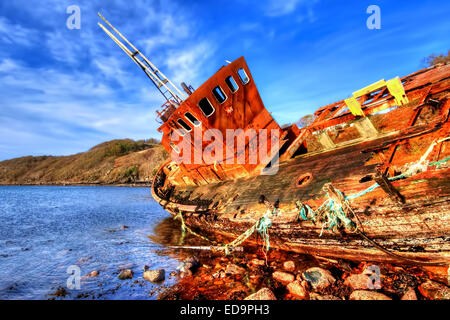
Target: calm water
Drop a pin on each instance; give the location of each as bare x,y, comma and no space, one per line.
44,230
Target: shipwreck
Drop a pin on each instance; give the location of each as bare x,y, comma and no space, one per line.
366,179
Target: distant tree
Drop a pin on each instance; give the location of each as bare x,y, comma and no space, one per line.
434,59
152,141
305,121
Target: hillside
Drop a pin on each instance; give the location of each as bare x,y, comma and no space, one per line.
113,162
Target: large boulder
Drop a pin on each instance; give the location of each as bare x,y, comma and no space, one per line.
434,290
318,278
263,294
283,277
297,289
155,275
368,295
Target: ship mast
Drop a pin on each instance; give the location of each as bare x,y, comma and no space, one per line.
169,91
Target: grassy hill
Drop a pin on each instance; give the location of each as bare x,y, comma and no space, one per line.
113,162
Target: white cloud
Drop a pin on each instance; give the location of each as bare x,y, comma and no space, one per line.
277,8
82,89
12,33
8,65
185,64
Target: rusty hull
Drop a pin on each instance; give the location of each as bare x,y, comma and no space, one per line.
351,155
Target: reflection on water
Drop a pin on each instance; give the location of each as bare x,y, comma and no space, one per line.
45,230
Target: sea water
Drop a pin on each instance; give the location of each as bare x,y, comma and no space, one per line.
48,232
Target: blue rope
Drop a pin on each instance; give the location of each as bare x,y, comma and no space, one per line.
263,228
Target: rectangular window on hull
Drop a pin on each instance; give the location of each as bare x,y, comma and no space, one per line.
231,84
206,107
184,125
219,94
177,129
192,119
243,76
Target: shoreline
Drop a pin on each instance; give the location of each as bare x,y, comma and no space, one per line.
124,185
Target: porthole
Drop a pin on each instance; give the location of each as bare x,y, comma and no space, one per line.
303,180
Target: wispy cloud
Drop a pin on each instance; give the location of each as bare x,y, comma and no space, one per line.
63,91
12,33
276,8
186,63
83,89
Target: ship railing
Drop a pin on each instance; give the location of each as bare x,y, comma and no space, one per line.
166,111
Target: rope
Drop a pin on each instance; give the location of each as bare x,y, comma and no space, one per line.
414,168
185,228
262,226
333,212
334,215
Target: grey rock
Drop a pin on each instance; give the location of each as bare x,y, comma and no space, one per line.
318,278
189,265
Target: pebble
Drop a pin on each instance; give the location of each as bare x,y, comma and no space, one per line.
318,278
155,275
94,273
296,289
315,296
219,274
126,274
234,269
263,294
258,262
410,294
368,295
358,281
189,265
283,277
289,266
434,290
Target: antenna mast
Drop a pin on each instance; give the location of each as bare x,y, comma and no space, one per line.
169,91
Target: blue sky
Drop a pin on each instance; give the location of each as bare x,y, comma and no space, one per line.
63,91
